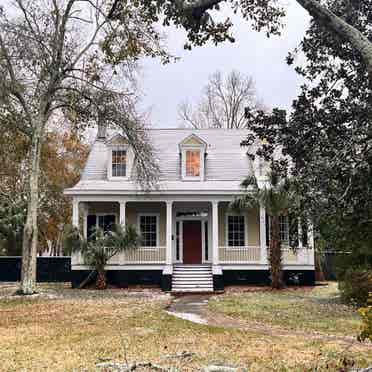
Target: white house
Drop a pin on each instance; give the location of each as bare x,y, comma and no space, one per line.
191,240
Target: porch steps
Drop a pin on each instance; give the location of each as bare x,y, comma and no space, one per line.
192,278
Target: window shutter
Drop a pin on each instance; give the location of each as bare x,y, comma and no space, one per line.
91,225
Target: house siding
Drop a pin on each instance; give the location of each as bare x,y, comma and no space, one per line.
252,225
134,209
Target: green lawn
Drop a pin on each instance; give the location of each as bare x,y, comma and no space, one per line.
316,310
72,330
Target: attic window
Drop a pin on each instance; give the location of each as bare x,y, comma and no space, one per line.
119,163
193,151
193,163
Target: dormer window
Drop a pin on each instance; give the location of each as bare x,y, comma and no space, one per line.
119,163
192,163
192,151
120,158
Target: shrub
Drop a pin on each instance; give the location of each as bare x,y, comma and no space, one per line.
366,314
355,285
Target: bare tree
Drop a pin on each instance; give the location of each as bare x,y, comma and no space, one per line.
55,59
223,103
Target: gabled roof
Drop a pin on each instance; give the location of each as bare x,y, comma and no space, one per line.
116,139
193,140
226,165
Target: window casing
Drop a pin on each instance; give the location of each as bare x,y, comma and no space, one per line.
105,222
120,160
119,163
192,163
284,229
149,229
236,231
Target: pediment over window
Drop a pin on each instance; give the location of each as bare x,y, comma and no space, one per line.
193,140
117,140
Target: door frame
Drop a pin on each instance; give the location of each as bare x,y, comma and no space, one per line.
203,220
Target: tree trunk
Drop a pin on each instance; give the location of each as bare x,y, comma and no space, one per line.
335,24
30,232
101,282
275,254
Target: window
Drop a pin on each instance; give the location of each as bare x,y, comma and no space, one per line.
284,229
119,163
103,221
235,231
149,230
192,163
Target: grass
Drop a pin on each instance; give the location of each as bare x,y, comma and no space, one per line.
317,310
72,330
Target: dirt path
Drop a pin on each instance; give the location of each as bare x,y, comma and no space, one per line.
194,308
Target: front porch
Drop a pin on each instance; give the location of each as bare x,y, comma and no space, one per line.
185,232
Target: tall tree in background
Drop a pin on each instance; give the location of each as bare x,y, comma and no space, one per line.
63,156
52,63
223,103
265,16
329,137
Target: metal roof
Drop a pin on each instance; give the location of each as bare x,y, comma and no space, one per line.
226,163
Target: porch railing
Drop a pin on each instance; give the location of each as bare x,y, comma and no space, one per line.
252,254
151,255
240,254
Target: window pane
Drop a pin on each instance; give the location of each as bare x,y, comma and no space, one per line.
193,163
148,230
236,231
119,163
284,229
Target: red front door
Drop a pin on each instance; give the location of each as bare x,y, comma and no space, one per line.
192,242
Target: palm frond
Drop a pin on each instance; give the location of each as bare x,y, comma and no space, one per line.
250,181
73,241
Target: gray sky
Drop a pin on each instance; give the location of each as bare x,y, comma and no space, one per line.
253,54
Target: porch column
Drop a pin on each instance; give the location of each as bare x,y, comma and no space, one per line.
263,246
215,252
310,243
302,257
75,213
169,250
299,229
122,213
85,224
75,257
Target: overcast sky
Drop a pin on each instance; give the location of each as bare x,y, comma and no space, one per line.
253,54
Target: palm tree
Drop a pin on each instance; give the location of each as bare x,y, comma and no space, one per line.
277,196
100,248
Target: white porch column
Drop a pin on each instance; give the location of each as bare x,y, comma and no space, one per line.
301,254
75,213
122,212
310,243
300,243
215,252
169,245
85,224
263,235
75,257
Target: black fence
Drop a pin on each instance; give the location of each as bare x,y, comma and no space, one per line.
48,269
